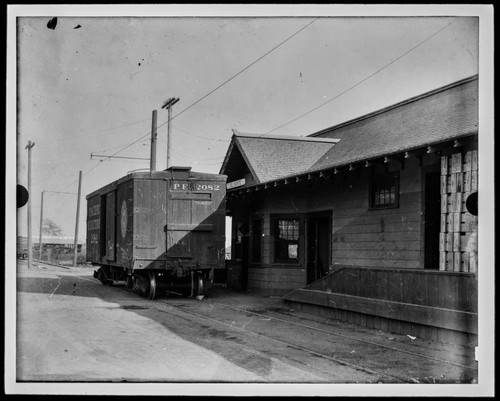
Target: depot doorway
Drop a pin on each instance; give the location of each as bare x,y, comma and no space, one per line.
318,239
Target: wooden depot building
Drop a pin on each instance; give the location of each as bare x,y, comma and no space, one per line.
372,221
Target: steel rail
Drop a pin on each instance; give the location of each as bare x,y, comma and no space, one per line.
334,359
348,337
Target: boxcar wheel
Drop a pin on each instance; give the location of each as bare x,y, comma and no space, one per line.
102,276
144,285
197,285
137,286
152,285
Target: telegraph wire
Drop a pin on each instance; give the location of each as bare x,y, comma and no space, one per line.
228,80
96,132
200,136
360,82
109,157
244,69
205,96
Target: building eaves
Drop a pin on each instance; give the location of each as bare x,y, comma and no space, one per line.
453,112
394,106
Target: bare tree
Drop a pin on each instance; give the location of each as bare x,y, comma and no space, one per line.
50,228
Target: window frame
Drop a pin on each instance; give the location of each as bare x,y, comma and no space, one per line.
375,182
275,218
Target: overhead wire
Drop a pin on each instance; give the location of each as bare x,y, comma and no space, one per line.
205,96
96,132
253,63
360,82
246,68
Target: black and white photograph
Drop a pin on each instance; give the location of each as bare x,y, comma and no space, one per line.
249,200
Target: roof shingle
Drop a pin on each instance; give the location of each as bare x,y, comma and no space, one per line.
444,114
273,157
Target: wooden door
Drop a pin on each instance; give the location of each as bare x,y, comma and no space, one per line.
318,247
111,226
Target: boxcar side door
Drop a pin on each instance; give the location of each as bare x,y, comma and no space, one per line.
111,226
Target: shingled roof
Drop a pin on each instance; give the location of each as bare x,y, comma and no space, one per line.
444,114
447,113
270,157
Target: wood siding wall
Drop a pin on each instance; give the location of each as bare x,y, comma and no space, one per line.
360,237
276,279
379,238
428,304
391,238
457,291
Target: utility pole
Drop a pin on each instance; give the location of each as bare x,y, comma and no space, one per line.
168,105
41,226
77,216
169,137
30,255
153,143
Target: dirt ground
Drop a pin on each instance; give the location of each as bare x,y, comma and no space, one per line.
72,330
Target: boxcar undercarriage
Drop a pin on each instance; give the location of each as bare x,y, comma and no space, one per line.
150,283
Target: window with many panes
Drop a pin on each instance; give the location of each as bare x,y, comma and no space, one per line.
286,240
384,191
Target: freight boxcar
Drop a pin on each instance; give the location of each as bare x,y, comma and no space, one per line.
158,231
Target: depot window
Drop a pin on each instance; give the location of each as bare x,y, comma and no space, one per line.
384,191
286,240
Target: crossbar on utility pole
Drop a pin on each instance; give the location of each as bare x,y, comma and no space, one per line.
30,254
77,216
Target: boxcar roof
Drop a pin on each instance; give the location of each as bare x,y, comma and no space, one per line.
171,173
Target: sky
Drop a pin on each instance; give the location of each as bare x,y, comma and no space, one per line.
90,85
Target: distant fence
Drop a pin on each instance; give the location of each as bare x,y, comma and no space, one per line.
56,249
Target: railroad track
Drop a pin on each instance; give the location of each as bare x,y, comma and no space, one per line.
470,371
349,337
292,345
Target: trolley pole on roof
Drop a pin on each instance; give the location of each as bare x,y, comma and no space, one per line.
168,105
77,216
153,143
30,254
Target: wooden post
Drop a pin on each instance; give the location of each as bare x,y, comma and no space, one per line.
30,255
153,142
168,105
77,217
40,243
169,143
